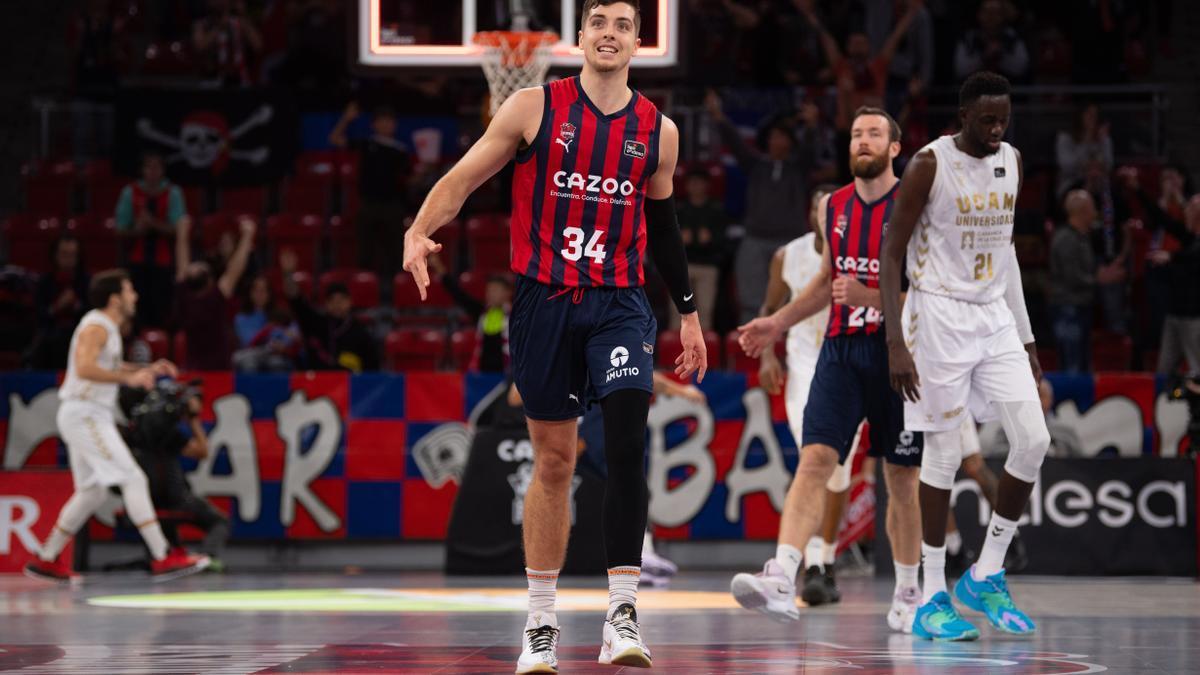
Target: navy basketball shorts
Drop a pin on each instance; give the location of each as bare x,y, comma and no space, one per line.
570,346
851,382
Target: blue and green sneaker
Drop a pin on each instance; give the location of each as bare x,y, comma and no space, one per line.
991,597
938,620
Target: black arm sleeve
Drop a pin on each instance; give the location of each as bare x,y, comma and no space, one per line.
666,247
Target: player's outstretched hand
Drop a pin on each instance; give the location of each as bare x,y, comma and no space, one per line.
903,373
418,247
770,373
758,335
694,358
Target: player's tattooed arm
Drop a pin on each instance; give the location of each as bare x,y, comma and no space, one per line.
910,202
516,122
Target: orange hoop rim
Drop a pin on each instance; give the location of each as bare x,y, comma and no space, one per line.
516,48
503,38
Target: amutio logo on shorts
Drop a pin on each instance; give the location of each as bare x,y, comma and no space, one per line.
618,358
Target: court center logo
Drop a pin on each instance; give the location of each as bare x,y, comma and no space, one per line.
619,358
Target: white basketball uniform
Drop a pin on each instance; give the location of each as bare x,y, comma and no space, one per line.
801,262
97,453
968,436
961,333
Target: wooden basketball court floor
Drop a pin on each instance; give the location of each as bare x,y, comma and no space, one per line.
429,623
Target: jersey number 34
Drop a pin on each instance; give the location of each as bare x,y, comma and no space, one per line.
573,238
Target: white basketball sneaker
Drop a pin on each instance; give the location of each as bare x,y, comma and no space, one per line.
770,592
540,654
904,608
622,645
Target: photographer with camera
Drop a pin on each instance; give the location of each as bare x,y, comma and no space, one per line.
164,427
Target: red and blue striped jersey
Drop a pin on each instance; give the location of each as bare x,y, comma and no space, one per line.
578,191
854,230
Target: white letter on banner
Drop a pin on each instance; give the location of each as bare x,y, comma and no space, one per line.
29,425
301,468
674,507
21,526
772,477
233,433
1171,417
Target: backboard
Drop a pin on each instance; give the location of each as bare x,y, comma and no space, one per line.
419,33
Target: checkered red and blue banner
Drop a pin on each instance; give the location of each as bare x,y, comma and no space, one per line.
376,456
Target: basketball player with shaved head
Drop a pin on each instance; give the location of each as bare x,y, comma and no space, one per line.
592,190
962,344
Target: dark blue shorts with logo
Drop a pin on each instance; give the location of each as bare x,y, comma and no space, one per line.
851,382
570,346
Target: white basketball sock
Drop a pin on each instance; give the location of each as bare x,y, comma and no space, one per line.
622,586
906,575
934,560
829,554
814,553
789,558
999,535
543,591
77,510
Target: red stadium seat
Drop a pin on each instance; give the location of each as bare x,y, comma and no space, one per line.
462,347
716,178
474,284
49,187
29,239
315,180
488,239
303,279
102,187
363,286
405,295
342,238
157,341
213,227
252,200
300,233
1111,352
179,348
414,349
98,238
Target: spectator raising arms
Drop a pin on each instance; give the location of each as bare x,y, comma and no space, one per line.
148,213
205,308
384,169
861,78
775,194
333,338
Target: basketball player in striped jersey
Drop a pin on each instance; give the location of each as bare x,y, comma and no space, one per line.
792,267
962,343
591,191
850,382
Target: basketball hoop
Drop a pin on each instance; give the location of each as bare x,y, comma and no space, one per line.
514,60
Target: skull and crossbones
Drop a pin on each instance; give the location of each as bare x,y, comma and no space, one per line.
205,141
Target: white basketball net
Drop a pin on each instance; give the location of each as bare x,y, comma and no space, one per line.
513,61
